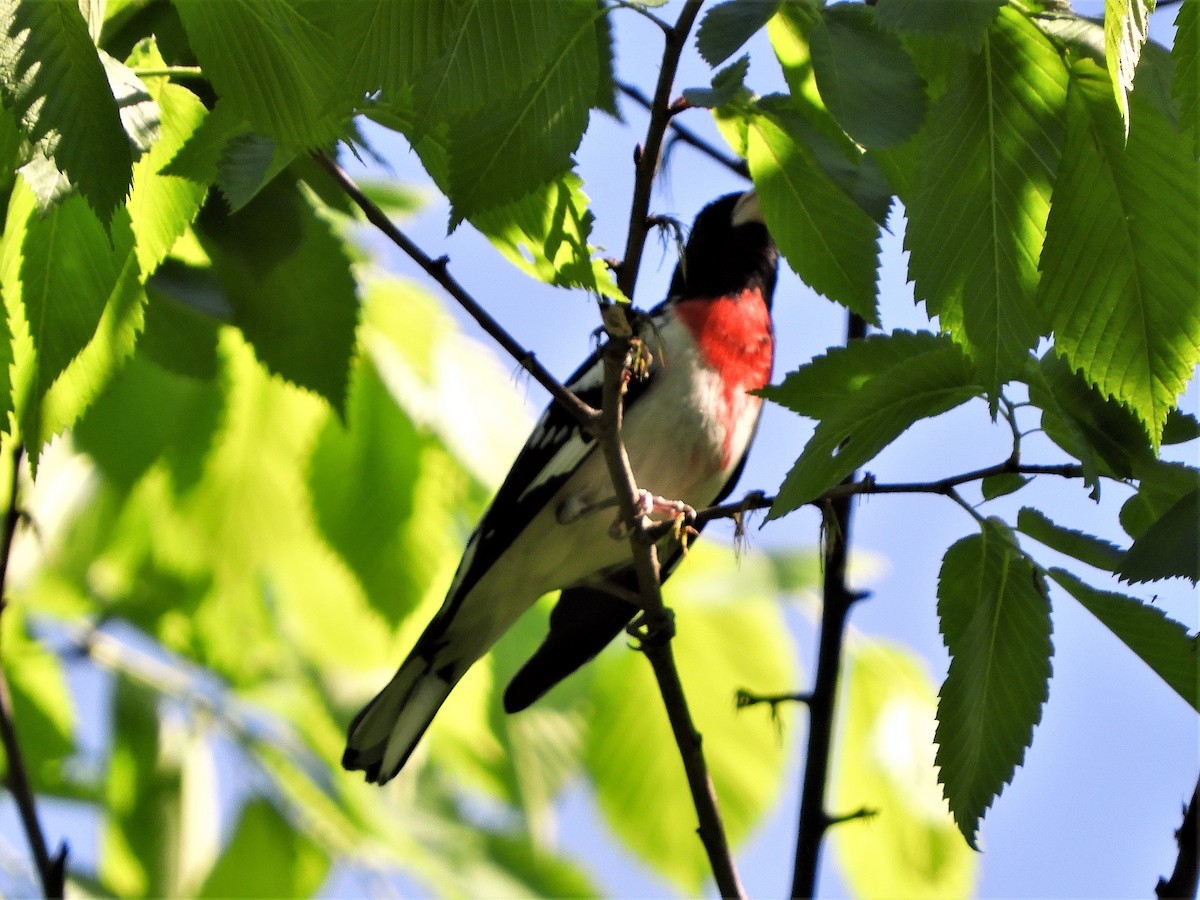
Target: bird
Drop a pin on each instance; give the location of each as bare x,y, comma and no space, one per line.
688,424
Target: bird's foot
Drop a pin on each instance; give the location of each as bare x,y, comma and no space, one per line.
650,629
651,506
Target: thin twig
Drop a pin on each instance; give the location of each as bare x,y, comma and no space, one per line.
838,598
647,162
687,136
437,269
51,870
656,627
868,485
1186,876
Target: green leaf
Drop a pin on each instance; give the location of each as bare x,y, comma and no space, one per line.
545,234
865,396
1160,486
1126,27
1168,548
1119,277
965,21
726,640
162,206
825,236
248,163
1185,87
1160,642
1077,544
1102,434
866,77
286,274
53,80
507,149
975,238
269,856
185,309
274,63
1001,485
65,280
909,846
995,621
727,85
1180,428
726,26
42,713
140,852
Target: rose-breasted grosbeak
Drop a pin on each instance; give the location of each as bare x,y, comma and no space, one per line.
687,426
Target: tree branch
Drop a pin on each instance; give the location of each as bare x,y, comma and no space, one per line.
51,870
1186,876
647,160
868,485
689,137
656,626
437,269
822,699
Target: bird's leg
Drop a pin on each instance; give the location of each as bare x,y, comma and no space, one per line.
652,506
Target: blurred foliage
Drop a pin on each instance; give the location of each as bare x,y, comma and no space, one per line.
253,457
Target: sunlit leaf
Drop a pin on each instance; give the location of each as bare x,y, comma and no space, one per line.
995,621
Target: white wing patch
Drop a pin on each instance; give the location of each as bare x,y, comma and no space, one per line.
564,461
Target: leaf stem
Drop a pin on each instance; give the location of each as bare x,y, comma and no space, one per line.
51,870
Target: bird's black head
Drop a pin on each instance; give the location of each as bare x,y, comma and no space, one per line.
728,251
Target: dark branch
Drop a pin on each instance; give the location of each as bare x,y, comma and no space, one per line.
868,485
838,598
437,270
745,698
647,161
1186,876
51,870
685,135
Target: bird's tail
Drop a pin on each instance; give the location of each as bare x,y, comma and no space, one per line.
383,735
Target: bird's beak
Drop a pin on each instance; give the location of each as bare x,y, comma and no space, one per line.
747,209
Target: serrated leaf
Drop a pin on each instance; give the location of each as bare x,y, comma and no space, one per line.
866,77
63,276
1160,486
506,150
274,63
1170,547
162,206
727,84
865,395
975,238
726,26
965,21
1162,643
1102,434
1185,87
53,80
995,622
825,236
248,163
1002,485
630,750
1126,27
909,846
545,234
1119,277
286,274
1180,428
1084,547
268,856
